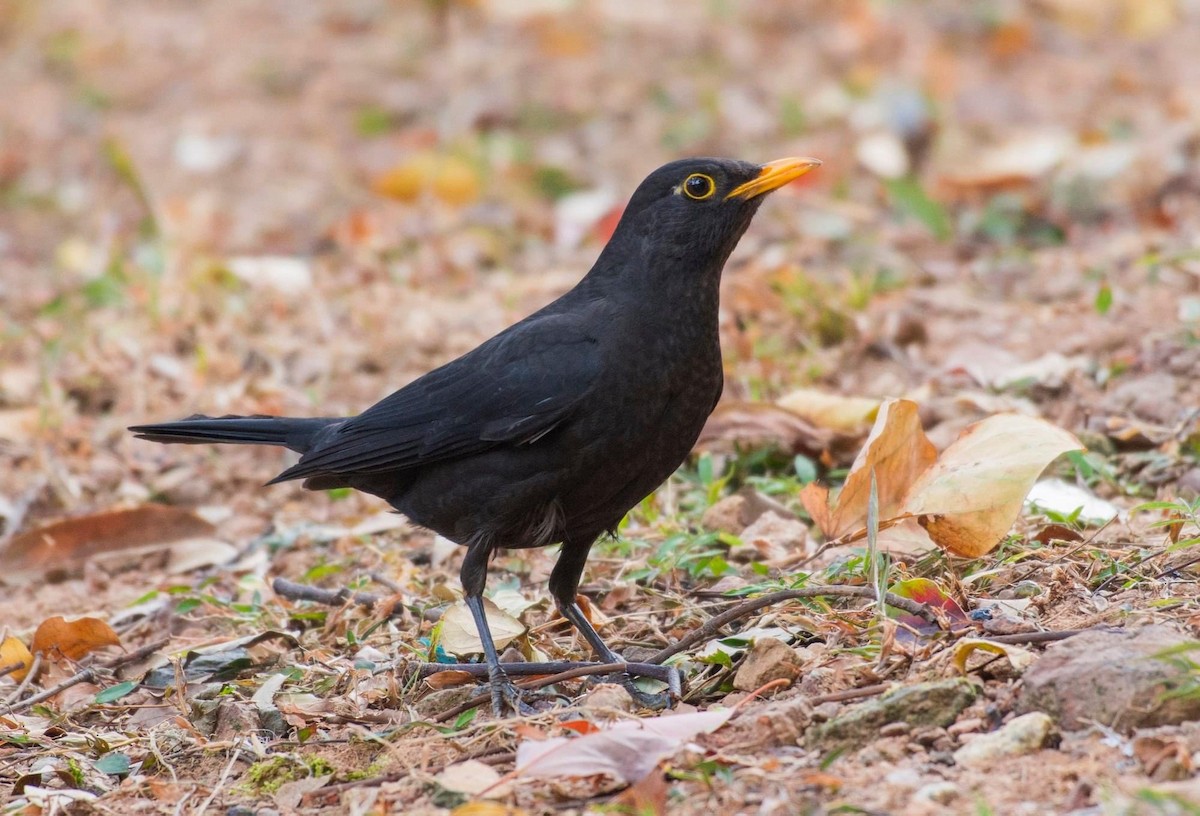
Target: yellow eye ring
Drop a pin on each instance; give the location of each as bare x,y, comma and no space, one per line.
698,186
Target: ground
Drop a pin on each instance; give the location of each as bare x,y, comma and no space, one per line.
267,207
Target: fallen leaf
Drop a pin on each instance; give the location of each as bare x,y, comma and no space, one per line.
449,679
68,544
647,796
487,809
19,424
450,178
625,751
458,628
472,778
12,652
72,639
968,500
196,553
926,592
279,272
848,415
1066,499
1020,659
896,451
756,424
289,794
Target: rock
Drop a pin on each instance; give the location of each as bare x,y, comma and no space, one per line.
771,537
735,513
1111,677
768,659
942,793
608,696
1023,735
936,703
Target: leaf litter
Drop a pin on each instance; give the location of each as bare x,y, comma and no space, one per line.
972,254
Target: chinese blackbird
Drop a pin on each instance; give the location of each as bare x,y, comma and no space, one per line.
552,430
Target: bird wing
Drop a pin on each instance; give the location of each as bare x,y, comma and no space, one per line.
513,389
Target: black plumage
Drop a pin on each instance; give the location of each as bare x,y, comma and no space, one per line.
553,429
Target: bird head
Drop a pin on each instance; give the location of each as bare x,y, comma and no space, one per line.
690,213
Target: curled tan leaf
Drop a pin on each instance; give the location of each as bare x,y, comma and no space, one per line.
970,497
896,450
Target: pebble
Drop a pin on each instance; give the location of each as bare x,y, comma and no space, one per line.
1023,735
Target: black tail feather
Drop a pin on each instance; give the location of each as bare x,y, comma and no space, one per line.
297,434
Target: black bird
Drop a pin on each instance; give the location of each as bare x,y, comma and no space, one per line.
552,430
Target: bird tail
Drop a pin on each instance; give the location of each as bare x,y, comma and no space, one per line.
298,434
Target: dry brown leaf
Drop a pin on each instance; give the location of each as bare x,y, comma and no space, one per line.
13,652
19,424
970,497
897,451
487,809
449,679
72,639
66,545
756,424
647,796
848,415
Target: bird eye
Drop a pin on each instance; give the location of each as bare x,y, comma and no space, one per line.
699,186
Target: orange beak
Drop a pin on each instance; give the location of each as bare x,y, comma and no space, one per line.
773,176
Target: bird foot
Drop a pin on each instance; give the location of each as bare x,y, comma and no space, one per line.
643,699
506,697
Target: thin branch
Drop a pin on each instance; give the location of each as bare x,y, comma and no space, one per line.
329,597
713,625
86,675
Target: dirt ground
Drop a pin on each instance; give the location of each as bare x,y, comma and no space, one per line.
271,207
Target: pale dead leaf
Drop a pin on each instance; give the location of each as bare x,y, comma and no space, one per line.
472,778
72,639
756,424
896,451
970,497
625,751
19,424
449,679
278,272
194,553
458,628
290,793
66,545
12,652
848,415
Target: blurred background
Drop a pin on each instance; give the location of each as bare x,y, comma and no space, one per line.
279,207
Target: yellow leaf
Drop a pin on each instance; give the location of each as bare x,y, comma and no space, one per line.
970,497
56,637
1019,658
487,809
13,651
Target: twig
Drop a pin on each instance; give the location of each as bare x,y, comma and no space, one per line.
330,597
1042,637
10,668
85,675
713,625
34,668
380,578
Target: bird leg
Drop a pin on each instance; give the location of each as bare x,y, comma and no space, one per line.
473,575
564,581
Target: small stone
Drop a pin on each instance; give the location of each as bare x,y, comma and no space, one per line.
1023,735
895,729
772,537
943,793
729,515
966,726
608,696
767,660
903,778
